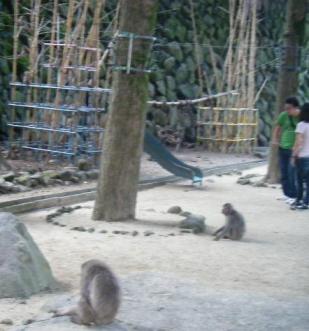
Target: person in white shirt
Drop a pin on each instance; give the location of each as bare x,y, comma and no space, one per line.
301,159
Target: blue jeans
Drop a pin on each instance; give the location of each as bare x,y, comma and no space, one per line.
288,176
302,172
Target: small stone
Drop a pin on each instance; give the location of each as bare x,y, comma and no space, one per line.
91,230
63,210
92,174
79,228
243,181
124,232
23,302
185,231
28,321
103,231
171,234
174,210
134,233
116,232
6,321
148,233
62,225
56,223
259,183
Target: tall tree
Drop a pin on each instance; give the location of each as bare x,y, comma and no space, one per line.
123,140
288,75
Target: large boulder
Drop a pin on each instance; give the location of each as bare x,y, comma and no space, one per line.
23,269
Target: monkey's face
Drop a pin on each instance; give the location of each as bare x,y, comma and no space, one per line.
227,209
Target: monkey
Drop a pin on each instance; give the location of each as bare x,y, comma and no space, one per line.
99,296
234,227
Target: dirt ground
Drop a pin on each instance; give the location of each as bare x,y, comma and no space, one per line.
179,281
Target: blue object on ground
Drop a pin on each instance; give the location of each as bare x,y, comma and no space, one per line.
168,161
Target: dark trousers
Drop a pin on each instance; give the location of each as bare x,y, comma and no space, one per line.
288,176
302,173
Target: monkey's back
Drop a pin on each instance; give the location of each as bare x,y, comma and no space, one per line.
103,292
238,226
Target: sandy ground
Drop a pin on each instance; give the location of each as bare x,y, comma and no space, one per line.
266,274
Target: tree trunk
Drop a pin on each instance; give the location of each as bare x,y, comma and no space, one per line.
123,139
288,75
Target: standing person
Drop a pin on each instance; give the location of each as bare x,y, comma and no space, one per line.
301,159
284,136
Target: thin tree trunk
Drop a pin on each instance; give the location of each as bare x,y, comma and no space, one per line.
288,75
122,149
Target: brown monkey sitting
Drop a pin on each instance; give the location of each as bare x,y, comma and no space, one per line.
100,296
234,227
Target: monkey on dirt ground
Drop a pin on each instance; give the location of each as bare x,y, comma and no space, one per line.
99,296
234,227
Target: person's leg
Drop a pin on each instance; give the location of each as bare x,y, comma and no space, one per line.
306,175
284,169
292,177
300,180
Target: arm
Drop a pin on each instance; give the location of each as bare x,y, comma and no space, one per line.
219,230
276,135
225,230
298,144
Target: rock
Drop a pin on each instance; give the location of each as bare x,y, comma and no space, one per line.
23,180
170,83
103,231
92,174
81,175
83,165
194,222
182,74
28,321
79,228
24,270
185,231
161,87
174,210
91,230
171,234
243,181
8,187
37,179
169,63
259,183
148,233
134,233
6,321
9,177
185,213
175,49
66,175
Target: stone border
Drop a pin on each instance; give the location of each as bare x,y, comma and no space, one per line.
30,204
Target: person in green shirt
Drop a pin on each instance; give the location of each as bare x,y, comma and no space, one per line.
284,136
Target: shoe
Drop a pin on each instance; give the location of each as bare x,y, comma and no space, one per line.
302,207
290,201
296,204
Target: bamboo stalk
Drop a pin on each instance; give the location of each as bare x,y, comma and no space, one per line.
252,55
14,65
196,49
